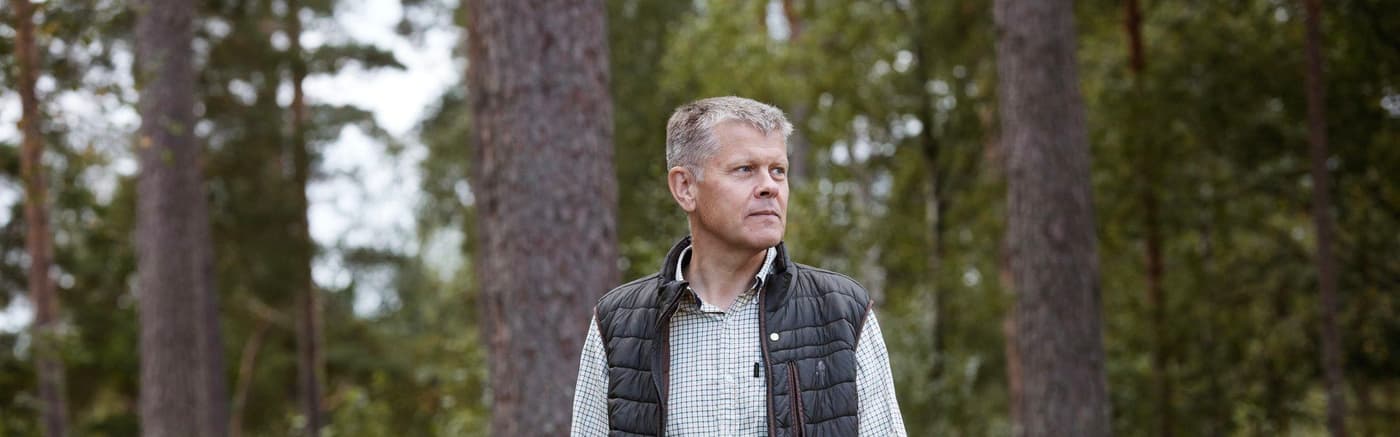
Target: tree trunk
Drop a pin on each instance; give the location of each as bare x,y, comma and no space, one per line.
1149,163
309,372
1050,224
546,240
1322,219
183,392
48,360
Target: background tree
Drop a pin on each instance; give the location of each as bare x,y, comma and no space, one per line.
309,360
1322,220
179,309
547,197
260,164
1050,224
39,239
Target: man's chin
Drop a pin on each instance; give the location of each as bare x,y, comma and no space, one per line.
764,240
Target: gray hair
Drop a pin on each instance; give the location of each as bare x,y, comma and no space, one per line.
690,138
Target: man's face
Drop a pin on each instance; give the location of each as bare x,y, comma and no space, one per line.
741,199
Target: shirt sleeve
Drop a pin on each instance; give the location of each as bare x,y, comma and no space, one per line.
590,392
878,408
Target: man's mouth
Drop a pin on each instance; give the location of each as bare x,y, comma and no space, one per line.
764,213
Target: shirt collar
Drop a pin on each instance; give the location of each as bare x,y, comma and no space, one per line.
758,278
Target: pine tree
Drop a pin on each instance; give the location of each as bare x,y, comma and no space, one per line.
546,198
39,239
1333,380
183,392
1050,224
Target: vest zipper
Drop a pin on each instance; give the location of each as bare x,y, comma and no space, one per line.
665,368
767,362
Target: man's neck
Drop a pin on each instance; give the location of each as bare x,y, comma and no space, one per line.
718,273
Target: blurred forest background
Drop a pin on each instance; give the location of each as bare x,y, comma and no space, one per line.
1196,116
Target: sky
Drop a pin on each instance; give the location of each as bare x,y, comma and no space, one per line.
374,208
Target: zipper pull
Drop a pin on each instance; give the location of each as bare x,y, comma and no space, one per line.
755,370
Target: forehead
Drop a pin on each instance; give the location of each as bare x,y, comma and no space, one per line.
738,140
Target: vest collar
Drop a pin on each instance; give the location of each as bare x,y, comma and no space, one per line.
776,284
781,262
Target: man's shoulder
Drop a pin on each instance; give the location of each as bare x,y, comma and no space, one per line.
628,295
831,282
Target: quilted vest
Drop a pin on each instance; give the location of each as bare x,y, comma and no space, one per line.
811,366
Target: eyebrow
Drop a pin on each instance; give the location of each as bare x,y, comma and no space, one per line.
748,160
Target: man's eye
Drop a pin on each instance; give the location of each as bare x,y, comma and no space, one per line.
779,170
743,169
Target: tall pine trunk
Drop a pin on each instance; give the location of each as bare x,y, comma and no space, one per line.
1331,341
309,373
48,362
546,238
183,392
1050,225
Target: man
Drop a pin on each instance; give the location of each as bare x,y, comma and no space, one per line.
731,338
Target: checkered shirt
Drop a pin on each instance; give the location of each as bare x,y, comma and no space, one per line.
716,382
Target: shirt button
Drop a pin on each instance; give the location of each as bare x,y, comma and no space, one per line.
773,336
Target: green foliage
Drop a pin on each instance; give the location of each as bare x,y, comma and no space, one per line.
647,221
1215,126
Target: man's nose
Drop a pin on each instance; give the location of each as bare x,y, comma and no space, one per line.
768,187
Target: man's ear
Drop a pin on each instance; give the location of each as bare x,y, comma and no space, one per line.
682,183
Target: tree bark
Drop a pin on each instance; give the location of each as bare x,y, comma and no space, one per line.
1054,262
546,240
48,359
1013,367
309,359
1334,380
183,392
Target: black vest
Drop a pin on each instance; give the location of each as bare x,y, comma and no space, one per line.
811,369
